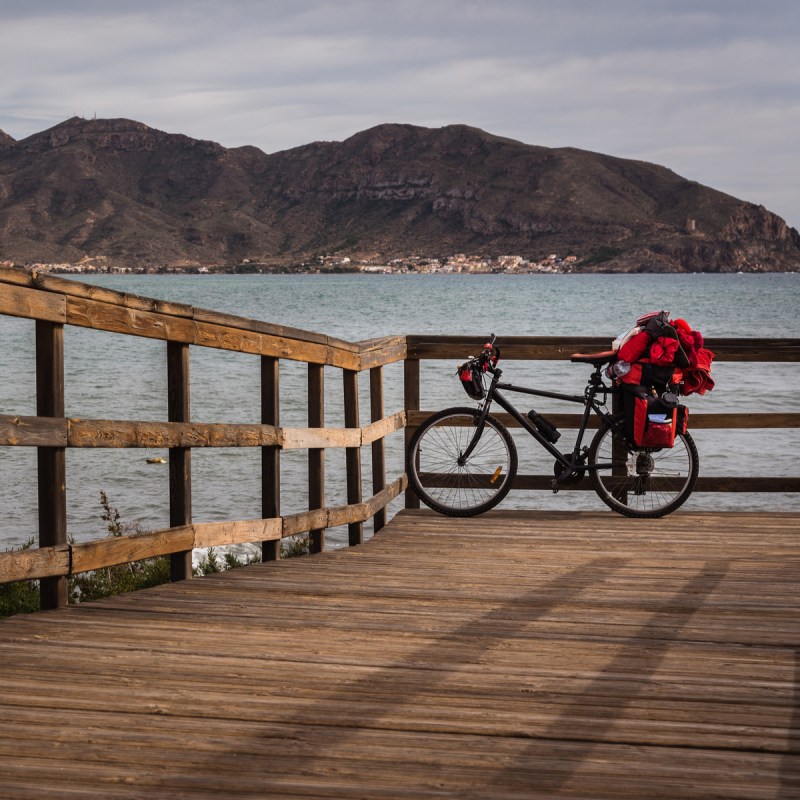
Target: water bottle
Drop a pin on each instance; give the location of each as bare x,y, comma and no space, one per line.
547,429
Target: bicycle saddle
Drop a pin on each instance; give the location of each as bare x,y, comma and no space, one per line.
596,359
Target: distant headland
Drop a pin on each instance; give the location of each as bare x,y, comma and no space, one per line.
117,195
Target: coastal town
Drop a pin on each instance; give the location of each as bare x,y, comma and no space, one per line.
458,263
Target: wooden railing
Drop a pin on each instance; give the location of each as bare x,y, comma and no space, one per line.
53,303
457,348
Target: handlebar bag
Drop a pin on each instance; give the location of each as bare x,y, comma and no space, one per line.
472,380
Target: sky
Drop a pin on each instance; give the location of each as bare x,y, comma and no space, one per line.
709,89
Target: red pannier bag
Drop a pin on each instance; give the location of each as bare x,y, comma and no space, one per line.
652,424
648,432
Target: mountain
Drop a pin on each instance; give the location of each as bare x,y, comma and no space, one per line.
139,196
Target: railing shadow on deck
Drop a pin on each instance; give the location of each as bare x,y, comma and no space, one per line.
54,303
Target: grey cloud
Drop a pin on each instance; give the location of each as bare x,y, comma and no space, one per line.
710,88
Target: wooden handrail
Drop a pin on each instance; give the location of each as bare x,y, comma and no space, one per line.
45,297
86,433
559,348
55,302
71,559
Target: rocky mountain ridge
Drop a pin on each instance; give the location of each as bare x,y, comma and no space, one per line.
138,196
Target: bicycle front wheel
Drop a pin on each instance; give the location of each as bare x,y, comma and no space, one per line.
448,483
640,482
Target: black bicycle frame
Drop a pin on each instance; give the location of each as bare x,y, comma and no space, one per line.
572,463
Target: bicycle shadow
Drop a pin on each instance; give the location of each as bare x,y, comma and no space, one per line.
464,645
645,659
640,654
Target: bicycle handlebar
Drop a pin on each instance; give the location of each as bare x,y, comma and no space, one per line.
490,354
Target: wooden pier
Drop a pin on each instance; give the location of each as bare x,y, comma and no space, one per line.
515,655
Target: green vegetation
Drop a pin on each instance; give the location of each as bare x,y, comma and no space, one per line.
22,597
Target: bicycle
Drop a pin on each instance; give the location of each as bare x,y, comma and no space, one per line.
463,461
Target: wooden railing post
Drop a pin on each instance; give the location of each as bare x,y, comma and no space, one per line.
378,447
316,455
180,458
411,402
270,456
352,454
51,460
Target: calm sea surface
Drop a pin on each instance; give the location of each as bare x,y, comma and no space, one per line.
116,377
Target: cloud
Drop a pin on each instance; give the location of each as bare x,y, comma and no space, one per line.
708,88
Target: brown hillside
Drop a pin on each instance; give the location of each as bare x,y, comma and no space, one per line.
138,196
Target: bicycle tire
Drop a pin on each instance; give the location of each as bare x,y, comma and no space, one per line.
461,490
644,483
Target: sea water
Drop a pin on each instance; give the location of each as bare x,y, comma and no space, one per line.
108,376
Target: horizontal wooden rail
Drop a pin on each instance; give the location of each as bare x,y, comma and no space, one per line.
560,348
779,484
707,421
45,297
32,564
74,432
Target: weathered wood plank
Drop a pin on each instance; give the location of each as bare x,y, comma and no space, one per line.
121,433
90,313
284,332
388,351
75,432
33,431
135,547
15,276
382,426
305,522
382,498
245,341
216,534
18,301
316,438
321,518
87,313
68,287
41,562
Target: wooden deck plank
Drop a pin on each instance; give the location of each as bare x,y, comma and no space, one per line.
512,655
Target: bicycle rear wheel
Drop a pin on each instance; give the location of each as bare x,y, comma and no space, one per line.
642,482
437,474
